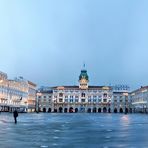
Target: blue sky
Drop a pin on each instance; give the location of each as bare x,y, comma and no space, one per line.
48,41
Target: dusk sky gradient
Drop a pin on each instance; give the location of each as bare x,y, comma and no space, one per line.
47,41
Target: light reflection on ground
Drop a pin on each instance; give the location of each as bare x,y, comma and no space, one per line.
74,130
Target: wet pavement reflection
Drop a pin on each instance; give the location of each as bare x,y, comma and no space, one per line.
45,130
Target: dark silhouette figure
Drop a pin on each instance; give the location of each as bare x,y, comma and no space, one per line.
15,115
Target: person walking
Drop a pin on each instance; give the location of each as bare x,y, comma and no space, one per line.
15,115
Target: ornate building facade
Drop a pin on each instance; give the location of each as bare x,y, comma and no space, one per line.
84,98
81,98
120,101
31,101
3,91
16,94
139,99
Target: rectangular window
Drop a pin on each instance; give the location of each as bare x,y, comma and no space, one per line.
83,95
94,100
83,100
89,100
104,100
60,100
71,100
99,100
89,97
105,95
61,95
76,100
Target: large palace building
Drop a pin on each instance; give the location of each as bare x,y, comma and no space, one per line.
81,98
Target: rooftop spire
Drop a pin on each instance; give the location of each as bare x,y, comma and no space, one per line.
83,78
84,66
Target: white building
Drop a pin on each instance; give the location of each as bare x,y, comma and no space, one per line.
120,100
84,98
14,94
81,98
3,91
44,100
139,100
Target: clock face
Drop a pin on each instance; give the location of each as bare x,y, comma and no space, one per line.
83,81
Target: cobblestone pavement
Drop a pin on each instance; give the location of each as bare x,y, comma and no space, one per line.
74,130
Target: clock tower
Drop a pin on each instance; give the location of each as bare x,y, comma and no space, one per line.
83,79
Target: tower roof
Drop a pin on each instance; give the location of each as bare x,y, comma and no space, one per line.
83,75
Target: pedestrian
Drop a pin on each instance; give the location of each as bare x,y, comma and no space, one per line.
15,115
